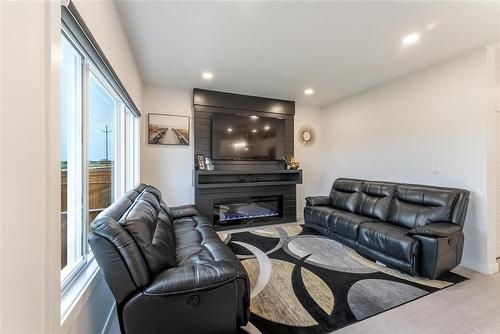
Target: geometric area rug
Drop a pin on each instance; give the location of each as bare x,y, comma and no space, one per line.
303,282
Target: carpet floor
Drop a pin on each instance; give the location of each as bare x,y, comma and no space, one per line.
303,282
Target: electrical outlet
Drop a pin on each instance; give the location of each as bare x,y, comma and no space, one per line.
435,169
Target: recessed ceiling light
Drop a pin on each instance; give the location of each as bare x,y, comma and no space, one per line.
229,129
254,117
207,76
309,91
267,127
411,39
254,131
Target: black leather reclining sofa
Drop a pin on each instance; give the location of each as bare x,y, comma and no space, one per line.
413,228
167,268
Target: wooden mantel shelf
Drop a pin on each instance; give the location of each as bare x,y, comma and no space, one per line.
248,178
260,171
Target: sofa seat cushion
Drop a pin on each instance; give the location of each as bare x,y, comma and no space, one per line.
347,224
191,278
198,243
319,215
389,239
191,222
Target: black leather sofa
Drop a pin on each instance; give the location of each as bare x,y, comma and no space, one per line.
413,228
167,268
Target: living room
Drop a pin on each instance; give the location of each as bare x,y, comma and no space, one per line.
249,167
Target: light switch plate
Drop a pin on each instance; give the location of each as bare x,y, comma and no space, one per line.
435,169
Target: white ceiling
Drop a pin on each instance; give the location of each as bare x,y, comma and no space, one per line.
278,49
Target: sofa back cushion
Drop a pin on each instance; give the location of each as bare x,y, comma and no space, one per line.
345,194
415,206
166,210
119,256
152,230
134,192
461,206
376,199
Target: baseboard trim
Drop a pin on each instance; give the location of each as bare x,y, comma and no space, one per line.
493,268
109,320
484,268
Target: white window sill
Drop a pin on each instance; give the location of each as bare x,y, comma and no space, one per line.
75,295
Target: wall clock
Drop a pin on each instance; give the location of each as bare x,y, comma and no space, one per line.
306,135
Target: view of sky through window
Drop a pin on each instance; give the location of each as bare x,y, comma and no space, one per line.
101,107
101,127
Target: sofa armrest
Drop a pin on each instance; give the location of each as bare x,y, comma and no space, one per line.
318,200
193,278
438,230
183,211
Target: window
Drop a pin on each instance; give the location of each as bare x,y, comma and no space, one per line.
99,138
132,153
71,156
102,128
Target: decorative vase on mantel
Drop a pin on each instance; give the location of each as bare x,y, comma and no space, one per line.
291,163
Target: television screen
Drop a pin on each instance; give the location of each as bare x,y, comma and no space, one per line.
242,137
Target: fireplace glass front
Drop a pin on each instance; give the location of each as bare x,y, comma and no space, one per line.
233,212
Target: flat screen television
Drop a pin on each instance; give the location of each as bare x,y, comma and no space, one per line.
244,137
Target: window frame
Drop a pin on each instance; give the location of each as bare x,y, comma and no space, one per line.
70,275
73,22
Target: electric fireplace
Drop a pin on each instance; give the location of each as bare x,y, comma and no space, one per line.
243,210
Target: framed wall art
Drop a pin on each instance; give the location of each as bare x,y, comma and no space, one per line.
166,129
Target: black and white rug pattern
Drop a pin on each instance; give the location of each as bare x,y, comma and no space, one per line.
303,282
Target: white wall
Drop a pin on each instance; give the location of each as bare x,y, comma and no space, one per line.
398,131
498,86
497,78
497,165
25,159
310,156
168,167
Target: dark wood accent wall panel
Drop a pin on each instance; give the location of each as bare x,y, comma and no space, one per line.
289,138
210,98
202,134
205,104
